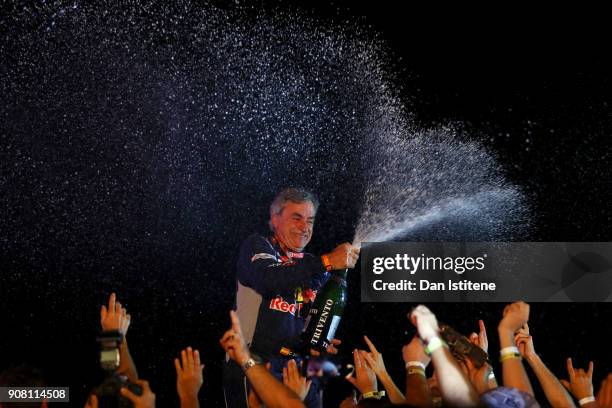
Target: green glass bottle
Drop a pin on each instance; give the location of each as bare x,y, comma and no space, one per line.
325,314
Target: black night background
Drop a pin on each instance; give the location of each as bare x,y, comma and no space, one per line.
141,143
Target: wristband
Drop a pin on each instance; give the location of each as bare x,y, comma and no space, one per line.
434,344
414,370
415,364
373,394
586,400
510,356
509,350
326,263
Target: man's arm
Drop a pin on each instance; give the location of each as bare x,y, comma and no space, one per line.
416,361
455,387
259,269
375,361
555,393
269,389
116,318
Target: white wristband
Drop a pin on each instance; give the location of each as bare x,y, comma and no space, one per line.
586,400
509,350
415,364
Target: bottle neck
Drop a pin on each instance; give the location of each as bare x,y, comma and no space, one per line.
339,276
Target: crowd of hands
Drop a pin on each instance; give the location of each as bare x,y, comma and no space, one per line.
455,382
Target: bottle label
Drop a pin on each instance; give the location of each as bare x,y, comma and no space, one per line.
321,322
332,328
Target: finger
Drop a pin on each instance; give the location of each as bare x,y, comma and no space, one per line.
196,359
226,336
332,350
356,359
103,312
590,372
111,303
118,308
129,395
570,368
184,359
177,365
474,339
144,384
285,376
190,357
527,327
235,322
482,328
336,342
292,370
370,344
369,360
352,381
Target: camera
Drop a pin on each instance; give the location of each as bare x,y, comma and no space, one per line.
461,347
110,359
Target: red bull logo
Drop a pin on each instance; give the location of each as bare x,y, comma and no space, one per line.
280,304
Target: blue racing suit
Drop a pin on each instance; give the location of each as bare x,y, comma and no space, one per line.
274,289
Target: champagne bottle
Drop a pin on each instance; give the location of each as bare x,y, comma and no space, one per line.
325,314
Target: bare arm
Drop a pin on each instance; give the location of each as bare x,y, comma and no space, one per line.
272,393
555,393
375,361
516,316
455,387
417,389
116,318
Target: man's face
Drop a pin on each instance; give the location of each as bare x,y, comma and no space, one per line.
293,226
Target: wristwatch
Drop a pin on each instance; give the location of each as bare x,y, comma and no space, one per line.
249,363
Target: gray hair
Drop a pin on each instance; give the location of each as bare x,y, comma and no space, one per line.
295,195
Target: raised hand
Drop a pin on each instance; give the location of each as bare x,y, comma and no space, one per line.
188,374
294,381
580,382
115,317
365,378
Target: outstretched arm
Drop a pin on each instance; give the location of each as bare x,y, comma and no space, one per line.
375,361
116,318
455,387
269,389
555,393
515,316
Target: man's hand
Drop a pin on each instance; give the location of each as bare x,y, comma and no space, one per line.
146,400
345,256
115,318
415,351
604,395
480,339
365,379
188,374
580,383
516,316
233,343
425,322
294,381
374,359
524,342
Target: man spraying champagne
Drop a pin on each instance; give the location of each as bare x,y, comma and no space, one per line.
275,279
